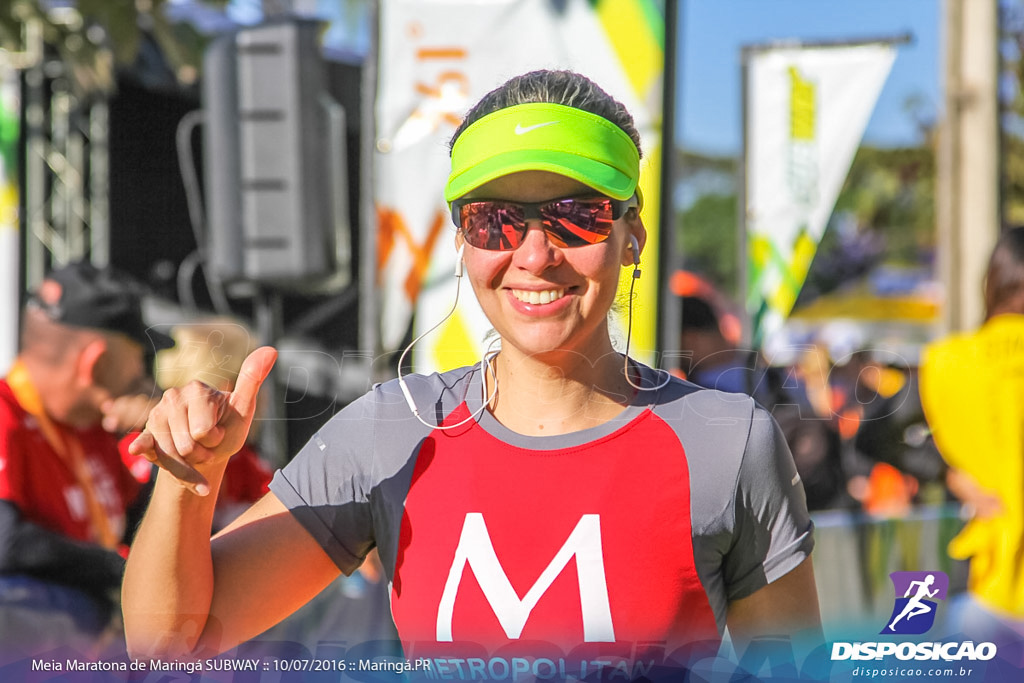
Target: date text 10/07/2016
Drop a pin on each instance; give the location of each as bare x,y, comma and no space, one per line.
377,664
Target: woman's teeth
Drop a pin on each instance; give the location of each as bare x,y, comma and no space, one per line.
530,296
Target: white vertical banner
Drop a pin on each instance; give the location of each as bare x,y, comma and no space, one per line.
437,58
806,111
10,116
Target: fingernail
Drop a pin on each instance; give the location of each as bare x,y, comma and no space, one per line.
202,490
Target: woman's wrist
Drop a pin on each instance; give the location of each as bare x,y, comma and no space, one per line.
213,473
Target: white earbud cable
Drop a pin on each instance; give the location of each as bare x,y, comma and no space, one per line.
629,325
485,362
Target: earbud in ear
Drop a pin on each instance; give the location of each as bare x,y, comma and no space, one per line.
458,260
634,246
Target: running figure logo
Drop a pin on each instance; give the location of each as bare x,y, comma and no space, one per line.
914,613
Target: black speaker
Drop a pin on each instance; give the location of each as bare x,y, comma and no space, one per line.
274,159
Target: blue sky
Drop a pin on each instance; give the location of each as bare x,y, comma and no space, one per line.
712,32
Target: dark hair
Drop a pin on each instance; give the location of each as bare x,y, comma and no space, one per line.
553,87
1004,279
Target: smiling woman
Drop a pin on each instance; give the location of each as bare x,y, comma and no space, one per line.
680,506
550,303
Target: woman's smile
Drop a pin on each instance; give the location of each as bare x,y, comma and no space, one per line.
537,297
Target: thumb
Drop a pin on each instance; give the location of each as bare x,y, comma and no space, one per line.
254,371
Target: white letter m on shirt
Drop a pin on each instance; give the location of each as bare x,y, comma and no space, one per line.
476,550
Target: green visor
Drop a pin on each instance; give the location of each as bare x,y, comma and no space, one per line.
545,137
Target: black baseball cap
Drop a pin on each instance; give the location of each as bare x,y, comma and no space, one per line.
82,295
698,314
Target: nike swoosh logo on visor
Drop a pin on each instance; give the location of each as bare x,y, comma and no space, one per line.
520,129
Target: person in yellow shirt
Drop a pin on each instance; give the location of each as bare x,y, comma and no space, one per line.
972,390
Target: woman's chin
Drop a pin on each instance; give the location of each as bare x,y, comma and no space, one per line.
549,342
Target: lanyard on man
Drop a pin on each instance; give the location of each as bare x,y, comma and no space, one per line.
67,445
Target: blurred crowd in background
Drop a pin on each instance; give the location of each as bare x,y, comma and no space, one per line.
850,410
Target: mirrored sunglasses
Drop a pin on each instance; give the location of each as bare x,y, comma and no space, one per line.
499,225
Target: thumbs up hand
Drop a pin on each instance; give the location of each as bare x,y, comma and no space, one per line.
196,428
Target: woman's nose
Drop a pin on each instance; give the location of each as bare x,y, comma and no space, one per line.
536,253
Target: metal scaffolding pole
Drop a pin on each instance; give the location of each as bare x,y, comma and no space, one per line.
60,199
66,168
99,183
369,301
35,170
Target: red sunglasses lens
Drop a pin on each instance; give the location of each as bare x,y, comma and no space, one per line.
495,226
578,222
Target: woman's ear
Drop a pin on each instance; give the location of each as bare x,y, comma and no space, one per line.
634,243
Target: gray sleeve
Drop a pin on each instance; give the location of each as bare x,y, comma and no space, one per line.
773,531
327,485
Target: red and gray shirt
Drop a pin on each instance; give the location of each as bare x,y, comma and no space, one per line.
630,537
